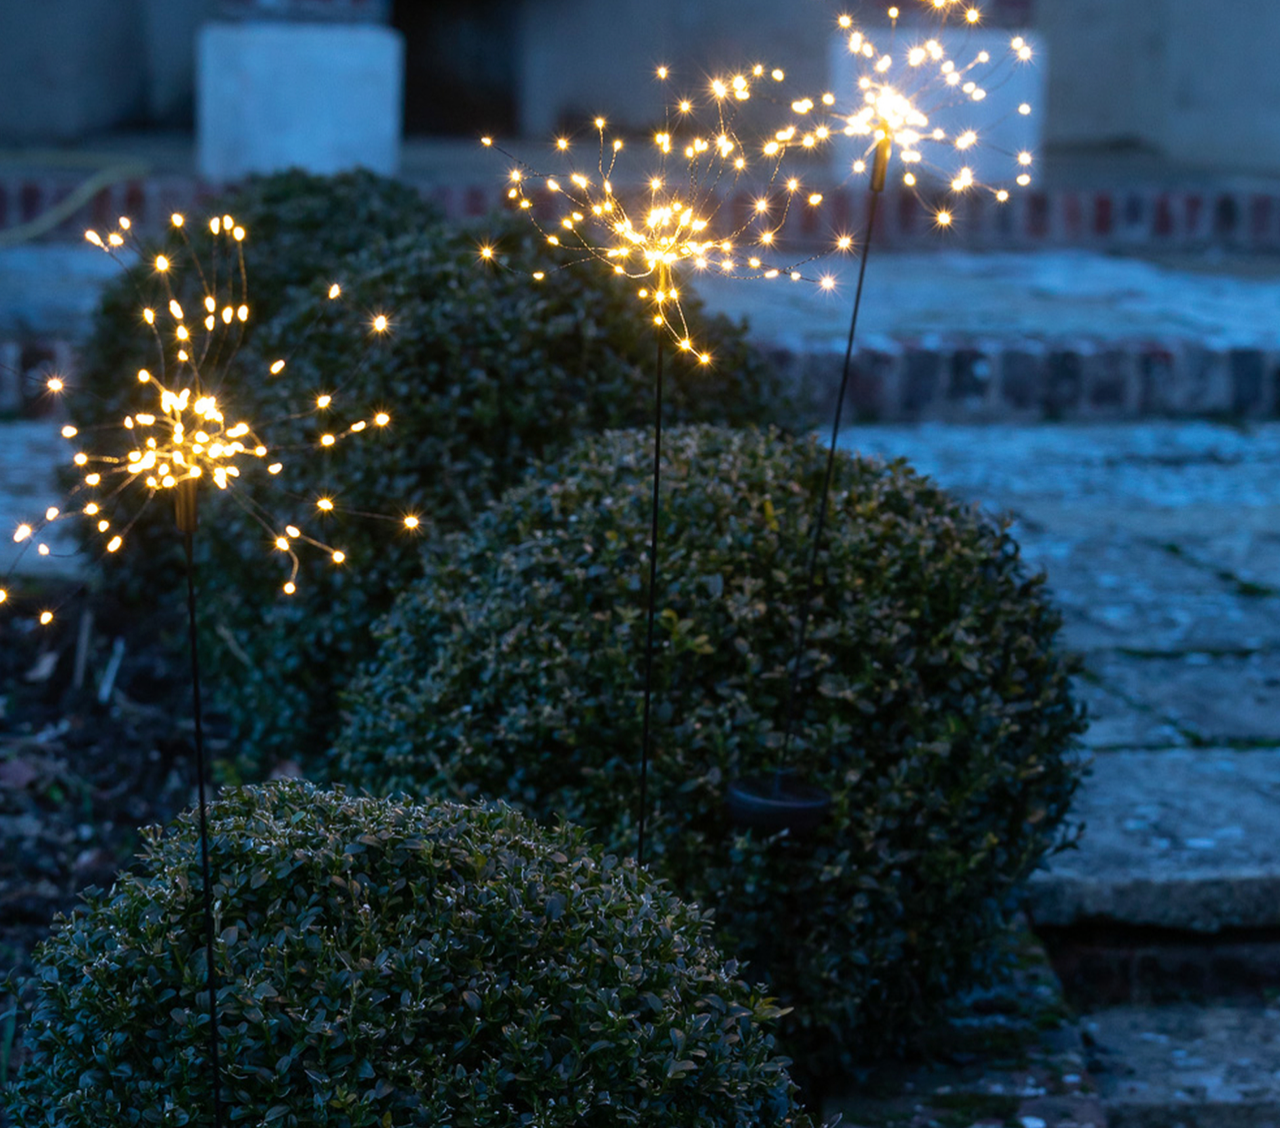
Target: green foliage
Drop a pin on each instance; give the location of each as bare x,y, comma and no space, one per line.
933,706
483,372
300,229
384,964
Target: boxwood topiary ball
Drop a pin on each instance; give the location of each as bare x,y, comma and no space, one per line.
386,964
933,705
483,372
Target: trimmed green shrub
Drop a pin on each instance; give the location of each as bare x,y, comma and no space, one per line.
384,964
300,229
933,706
483,372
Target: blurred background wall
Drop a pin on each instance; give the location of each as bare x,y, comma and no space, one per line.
1193,80
1190,80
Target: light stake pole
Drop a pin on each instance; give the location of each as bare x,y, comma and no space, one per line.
653,590
878,174
186,517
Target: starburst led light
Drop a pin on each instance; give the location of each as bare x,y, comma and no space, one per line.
947,9
656,236
902,91
191,437
676,225
189,440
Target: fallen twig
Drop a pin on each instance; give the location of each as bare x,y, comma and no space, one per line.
82,648
113,668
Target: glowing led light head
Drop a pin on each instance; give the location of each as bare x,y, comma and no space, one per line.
907,98
185,434
679,223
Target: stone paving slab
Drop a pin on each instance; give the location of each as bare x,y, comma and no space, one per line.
1210,698
1178,838
1190,517
1080,476
1065,295
1188,1066
1116,722
1130,592
1187,620
1252,555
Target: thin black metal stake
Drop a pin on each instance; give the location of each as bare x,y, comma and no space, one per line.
877,186
653,594
186,519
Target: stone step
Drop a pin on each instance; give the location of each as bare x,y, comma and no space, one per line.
1104,965
1022,337
1177,838
1187,1066
957,337
1011,1055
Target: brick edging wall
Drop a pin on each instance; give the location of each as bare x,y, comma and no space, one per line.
148,201
1130,219
956,380
1111,220
1030,381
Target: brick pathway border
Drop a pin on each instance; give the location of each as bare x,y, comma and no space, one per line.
959,381
1148,219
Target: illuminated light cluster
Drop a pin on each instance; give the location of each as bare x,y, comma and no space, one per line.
965,10
677,223
188,434
901,91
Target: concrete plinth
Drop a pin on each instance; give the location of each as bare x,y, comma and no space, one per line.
273,95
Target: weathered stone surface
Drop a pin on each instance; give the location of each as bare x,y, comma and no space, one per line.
1248,379
1189,1066
922,380
1145,478
1022,378
970,380
1179,838
1252,556
1115,722
1131,593
1111,379
1204,517
1210,697
1058,300
1065,382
